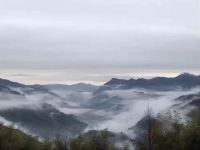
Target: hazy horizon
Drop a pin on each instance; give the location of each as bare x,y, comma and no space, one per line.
99,74
94,40
107,78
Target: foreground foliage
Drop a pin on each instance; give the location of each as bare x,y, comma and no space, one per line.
170,133
12,139
96,141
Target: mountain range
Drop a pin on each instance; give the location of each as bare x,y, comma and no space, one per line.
184,81
68,110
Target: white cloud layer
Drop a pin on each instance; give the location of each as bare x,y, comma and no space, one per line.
101,35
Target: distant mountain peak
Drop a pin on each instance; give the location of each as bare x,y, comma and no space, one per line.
114,81
82,84
5,82
184,80
185,74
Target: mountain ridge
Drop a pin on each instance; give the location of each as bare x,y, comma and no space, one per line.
184,81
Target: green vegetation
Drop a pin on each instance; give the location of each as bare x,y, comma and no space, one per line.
96,141
11,139
170,133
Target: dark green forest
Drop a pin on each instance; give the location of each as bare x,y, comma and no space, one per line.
167,132
170,132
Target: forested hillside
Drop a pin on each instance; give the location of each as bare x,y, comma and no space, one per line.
11,139
165,132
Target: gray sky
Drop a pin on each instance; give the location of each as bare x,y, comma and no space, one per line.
67,41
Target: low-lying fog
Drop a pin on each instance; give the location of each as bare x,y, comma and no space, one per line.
115,110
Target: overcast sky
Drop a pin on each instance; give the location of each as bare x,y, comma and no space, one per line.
68,41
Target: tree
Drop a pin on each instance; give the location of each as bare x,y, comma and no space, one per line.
149,115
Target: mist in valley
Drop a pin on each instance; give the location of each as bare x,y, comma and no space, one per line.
116,110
